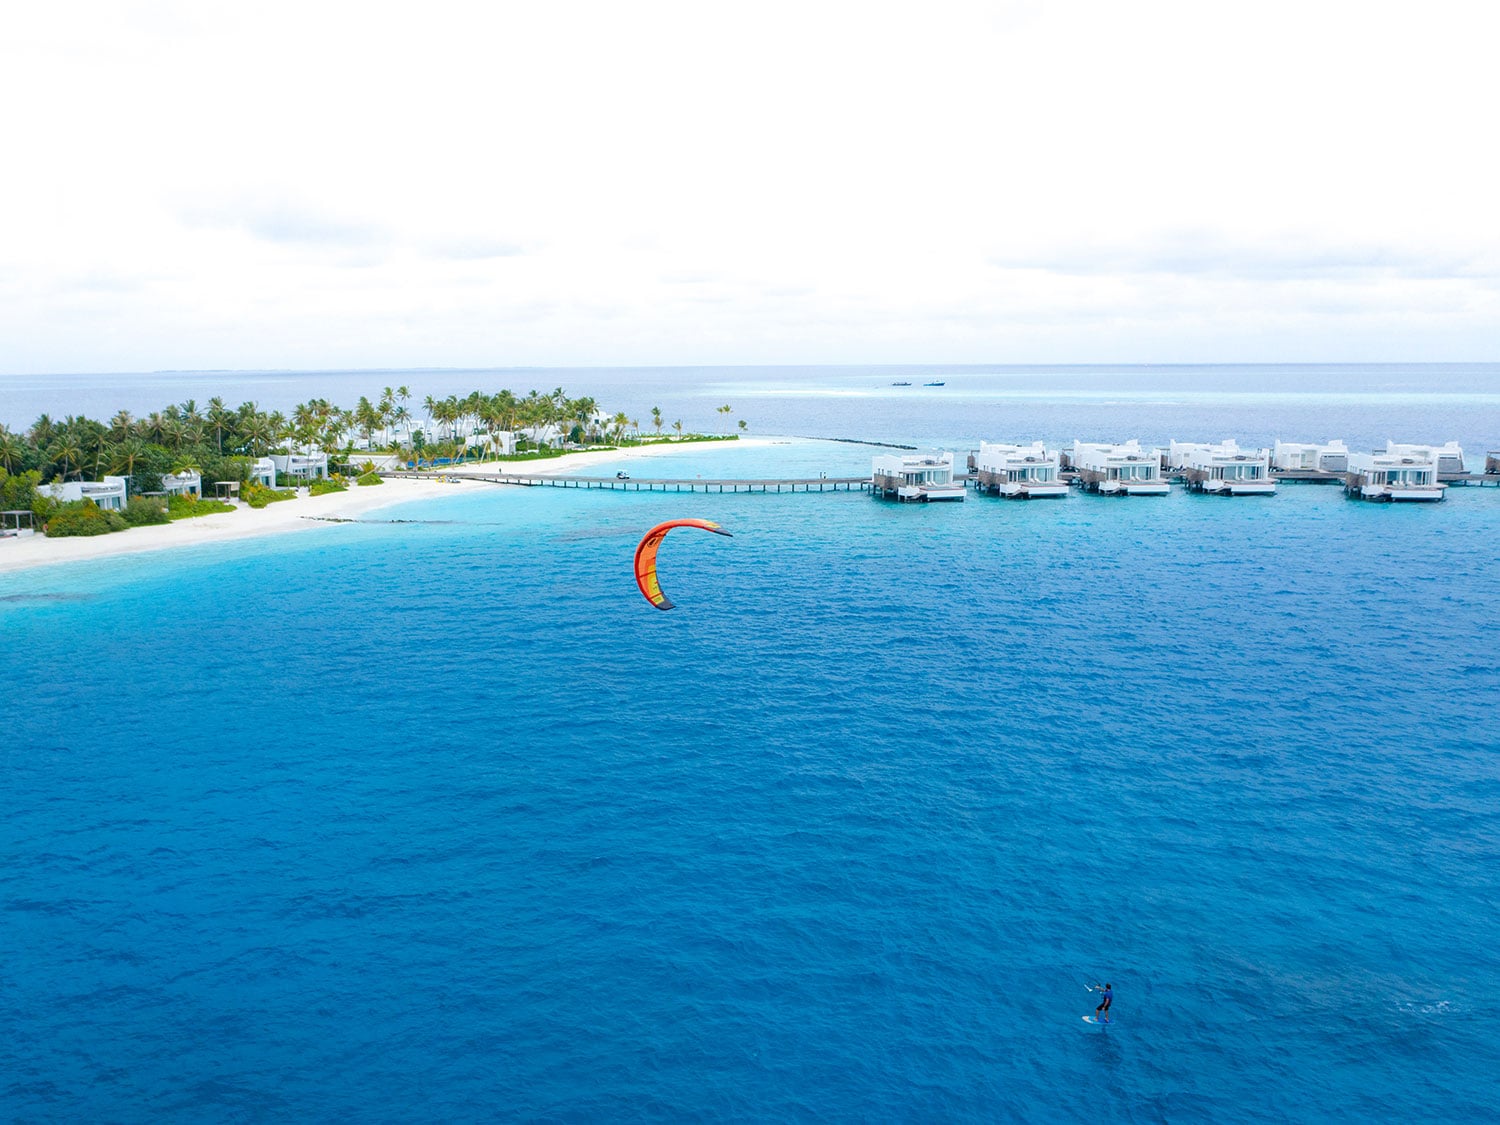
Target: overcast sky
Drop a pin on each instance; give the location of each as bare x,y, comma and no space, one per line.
297,185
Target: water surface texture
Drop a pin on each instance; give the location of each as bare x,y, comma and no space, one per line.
441,821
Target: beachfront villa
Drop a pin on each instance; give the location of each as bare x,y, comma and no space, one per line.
1026,472
1123,469
1303,457
1223,469
300,467
1393,476
263,472
1449,457
108,493
915,477
189,482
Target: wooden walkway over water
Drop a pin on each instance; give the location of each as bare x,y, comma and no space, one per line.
657,484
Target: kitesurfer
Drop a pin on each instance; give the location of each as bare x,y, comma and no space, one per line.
1101,1013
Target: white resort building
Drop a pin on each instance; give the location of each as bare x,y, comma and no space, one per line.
108,493
915,476
300,466
1224,469
1393,476
1026,472
189,482
263,472
1449,457
1304,457
1118,470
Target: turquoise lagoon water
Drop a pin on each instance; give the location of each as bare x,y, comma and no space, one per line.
439,820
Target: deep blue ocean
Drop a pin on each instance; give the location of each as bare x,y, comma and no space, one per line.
434,818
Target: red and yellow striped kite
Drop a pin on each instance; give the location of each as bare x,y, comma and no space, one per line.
645,558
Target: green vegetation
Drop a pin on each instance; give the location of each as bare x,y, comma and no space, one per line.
18,491
190,507
326,485
140,511
81,517
258,495
368,478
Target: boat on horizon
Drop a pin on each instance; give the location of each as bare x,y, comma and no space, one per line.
937,383
900,384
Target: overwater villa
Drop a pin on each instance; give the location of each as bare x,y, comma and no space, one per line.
1119,470
1025,472
1449,457
1305,457
1224,469
108,493
915,476
1392,476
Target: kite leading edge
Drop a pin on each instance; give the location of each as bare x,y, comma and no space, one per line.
645,557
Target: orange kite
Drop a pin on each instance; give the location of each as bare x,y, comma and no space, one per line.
645,558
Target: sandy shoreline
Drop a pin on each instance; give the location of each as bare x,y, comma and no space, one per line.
289,516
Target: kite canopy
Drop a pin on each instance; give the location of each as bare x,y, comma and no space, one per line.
645,557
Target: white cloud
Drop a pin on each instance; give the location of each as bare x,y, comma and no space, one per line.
460,183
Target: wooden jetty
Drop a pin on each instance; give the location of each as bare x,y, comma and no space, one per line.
657,484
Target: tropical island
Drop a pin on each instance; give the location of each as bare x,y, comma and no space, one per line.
82,477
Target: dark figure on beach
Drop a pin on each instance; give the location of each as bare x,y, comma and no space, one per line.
1101,1013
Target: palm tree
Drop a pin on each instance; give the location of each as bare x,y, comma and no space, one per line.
532,413
384,409
402,413
172,429
492,413
367,418
743,425
508,404
219,419
65,452
677,425
12,449
586,410
401,419
258,433
124,455
656,419
43,430
155,428
121,425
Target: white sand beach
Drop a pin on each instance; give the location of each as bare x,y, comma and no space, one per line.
305,512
